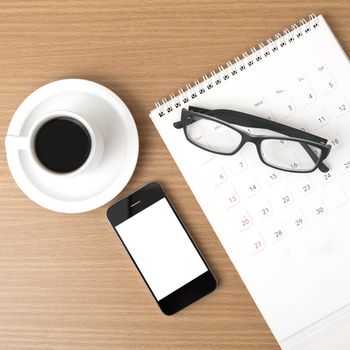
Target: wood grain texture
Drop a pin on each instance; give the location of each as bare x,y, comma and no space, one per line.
65,280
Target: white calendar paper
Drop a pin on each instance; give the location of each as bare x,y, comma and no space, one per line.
288,235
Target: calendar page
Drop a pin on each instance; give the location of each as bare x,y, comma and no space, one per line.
287,234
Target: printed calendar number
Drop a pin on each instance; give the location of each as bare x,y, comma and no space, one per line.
265,211
306,188
301,185
298,222
233,199
278,233
315,208
323,80
213,173
294,165
245,221
317,118
335,142
283,143
239,219
272,232
322,120
257,245
253,188
236,164
280,103
343,108
225,196
251,243
286,199
242,221
249,186
266,175
340,161
327,176
303,94
324,178
280,197
336,105
320,211
273,176
260,208
294,219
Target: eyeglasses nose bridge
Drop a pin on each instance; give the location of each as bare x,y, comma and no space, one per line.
248,137
254,139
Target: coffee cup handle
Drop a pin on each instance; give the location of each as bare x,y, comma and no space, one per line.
17,142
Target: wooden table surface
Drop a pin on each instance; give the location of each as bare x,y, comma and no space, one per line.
65,280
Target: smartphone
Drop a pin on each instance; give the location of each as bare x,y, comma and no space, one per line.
161,248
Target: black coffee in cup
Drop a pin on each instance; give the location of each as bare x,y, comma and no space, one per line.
62,144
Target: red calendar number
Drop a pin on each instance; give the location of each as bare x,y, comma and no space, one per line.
233,199
245,221
257,245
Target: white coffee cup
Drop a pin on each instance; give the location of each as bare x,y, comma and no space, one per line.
27,143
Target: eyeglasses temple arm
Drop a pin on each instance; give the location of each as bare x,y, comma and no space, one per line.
249,120
323,167
178,125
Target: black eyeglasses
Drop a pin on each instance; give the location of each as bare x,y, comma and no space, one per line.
214,131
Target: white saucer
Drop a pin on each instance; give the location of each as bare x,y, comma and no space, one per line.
88,190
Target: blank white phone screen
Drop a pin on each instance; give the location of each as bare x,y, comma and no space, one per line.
161,249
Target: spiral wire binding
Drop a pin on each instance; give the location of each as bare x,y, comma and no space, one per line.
215,78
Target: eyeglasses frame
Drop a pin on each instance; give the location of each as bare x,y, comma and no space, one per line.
224,117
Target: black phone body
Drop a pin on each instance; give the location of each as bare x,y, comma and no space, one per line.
161,248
